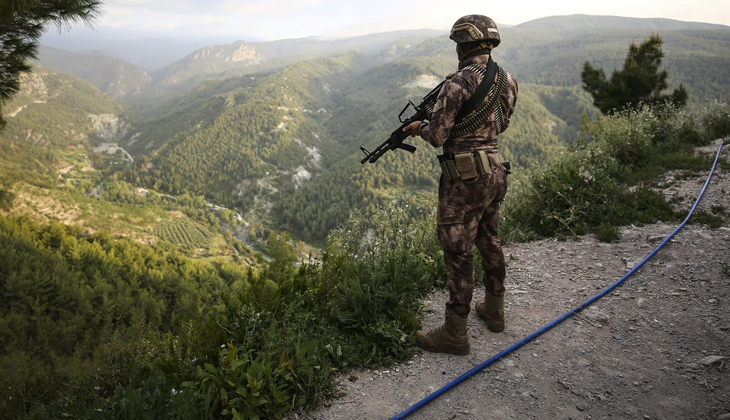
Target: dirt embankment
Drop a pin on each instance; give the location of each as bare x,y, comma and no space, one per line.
657,347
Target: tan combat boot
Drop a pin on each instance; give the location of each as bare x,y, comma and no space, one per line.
492,311
449,337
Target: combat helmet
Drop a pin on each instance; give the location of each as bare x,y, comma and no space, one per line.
476,32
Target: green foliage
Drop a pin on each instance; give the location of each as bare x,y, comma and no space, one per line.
704,218
227,135
587,189
181,230
65,298
716,121
61,290
146,402
259,354
25,162
607,233
21,27
281,267
640,81
694,56
394,259
53,110
6,200
263,387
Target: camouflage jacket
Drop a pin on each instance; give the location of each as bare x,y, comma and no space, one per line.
458,89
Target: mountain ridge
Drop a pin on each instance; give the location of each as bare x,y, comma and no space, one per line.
579,22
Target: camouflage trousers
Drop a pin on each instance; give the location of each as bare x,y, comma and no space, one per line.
468,214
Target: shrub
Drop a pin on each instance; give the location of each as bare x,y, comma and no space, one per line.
716,121
394,259
607,233
588,189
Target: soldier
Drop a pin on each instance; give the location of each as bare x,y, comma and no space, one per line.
473,183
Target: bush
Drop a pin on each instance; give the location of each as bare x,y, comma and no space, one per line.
716,121
607,233
394,259
588,189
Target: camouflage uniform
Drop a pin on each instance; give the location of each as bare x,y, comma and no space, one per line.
468,211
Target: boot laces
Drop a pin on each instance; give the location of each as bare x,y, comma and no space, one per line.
436,331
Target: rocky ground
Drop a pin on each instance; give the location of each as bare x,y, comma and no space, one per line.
657,347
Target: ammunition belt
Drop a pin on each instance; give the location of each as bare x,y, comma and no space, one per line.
491,107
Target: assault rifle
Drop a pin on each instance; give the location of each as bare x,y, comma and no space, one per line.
395,141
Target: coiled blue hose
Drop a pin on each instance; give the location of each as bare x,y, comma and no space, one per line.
562,318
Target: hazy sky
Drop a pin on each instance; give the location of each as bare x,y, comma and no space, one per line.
278,19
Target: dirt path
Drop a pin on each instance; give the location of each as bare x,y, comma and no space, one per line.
657,347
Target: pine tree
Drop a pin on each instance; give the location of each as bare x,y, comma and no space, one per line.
639,82
21,27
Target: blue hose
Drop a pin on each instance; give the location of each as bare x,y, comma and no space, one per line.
562,318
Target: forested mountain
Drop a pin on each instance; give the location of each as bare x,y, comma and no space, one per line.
220,58
231,139
241,58
256,140
54,112
55,109
267,126
113,76
214,59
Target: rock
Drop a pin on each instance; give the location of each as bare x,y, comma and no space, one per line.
725,416
705,235
595,315
692,367
710,361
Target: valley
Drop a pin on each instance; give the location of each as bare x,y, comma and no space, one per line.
212,215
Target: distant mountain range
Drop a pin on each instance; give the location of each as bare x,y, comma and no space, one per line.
589,23
274,128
